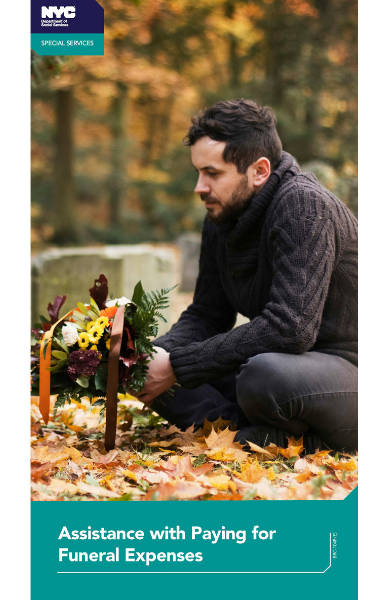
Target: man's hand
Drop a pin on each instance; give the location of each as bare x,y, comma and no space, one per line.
160,377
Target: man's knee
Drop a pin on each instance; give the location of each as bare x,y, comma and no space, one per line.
261,385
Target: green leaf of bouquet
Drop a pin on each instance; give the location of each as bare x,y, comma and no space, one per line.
45,344
82,308
138,294
79,317
94,307
99,402
60,355
101,376
62,363
82,381
92,315
80,323
63,345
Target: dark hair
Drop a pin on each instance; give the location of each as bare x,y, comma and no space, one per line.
249,130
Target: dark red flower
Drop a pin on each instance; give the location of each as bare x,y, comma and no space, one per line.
83,363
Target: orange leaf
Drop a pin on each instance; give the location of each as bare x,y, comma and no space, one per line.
227,496
38,470
304,476
295,447
351,465
321,453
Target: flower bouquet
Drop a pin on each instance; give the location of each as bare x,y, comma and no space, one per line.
96,350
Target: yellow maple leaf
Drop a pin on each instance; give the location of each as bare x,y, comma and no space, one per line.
270,474
76,428
220,482
74,454
252,472
107,481
226,454
222,446
261,453
232,486
222,439
130,475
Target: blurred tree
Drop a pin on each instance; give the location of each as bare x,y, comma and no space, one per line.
64,223
117,182
166,59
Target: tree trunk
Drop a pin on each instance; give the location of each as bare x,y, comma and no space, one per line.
118,177
65,202
233,59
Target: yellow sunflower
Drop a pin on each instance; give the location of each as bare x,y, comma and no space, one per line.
89,325
83,340
95,333
108,343
102,322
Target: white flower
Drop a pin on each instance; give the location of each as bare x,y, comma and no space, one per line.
70,333
117,302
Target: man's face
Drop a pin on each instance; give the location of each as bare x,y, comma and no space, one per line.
225,192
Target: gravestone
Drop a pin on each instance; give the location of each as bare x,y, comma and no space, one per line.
190,244
72,271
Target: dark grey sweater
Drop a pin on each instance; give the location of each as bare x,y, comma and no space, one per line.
289,265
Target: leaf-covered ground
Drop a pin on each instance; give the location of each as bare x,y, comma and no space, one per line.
155,461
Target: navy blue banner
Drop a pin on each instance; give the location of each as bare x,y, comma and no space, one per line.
77,16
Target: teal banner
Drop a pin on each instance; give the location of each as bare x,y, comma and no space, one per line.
68,44
257,547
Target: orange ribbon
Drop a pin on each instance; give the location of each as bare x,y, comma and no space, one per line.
44,374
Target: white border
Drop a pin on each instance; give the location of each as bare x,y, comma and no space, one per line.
15,297
373,211
373,297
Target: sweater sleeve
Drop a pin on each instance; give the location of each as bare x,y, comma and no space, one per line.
304,253
210,313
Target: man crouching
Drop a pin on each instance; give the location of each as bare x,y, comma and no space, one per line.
280,249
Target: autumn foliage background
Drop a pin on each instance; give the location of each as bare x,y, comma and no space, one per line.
108,165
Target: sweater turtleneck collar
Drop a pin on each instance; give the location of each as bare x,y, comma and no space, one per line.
261,201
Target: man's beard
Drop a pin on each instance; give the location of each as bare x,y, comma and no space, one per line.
236,206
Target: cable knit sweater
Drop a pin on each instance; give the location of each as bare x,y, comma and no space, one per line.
289,265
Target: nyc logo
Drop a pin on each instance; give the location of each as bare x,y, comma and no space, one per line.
53,12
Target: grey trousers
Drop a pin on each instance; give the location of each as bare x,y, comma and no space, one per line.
277,393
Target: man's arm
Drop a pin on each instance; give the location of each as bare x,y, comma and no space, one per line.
210,312
304,254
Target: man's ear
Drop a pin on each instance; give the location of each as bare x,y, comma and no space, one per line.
261,172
